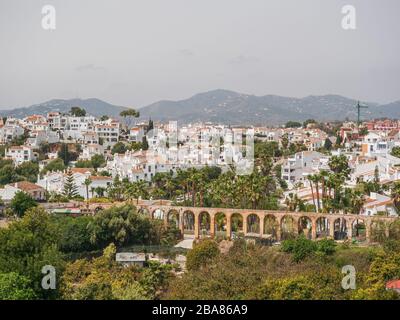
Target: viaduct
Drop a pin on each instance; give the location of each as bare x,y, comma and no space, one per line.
264,224
275,225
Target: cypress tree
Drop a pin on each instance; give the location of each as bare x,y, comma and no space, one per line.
70,188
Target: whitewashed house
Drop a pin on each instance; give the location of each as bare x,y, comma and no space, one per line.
35,191
20,154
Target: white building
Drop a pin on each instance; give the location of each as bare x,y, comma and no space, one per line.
54,181
299,166
89,150
136,134
35,191
108,133
20,154
10,130
379,204
37,137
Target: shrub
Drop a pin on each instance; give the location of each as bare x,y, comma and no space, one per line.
201,254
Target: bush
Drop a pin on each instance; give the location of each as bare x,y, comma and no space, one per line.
21,203
201,254
73,233
15,287
326,246
300,248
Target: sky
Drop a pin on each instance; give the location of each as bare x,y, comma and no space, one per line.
136,52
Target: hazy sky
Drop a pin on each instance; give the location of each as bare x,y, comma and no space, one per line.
135,52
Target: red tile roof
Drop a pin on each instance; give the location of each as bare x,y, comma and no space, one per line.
27,186
393,284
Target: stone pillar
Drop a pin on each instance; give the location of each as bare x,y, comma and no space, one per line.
165,218
196,226
296,226
368,231
212,225
244,224
228,226
349,225
181,224
261,217
278,229
314,229
332,228
387,231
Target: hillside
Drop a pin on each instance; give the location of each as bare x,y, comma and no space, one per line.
229,107
92,106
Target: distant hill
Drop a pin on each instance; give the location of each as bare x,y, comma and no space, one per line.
229,107
93,107
235,108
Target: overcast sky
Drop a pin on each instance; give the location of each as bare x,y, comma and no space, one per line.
135,52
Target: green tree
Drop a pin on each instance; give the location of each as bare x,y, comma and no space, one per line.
64,153
292,124
363,131
98,161
119,148
328,144
145,144
54,165
70,188
29,244
28,171
77,112
309,121
339,165
87,184
396,152
150,126
300,248
73,235
201,254
16,287
129,115
121,225
21,203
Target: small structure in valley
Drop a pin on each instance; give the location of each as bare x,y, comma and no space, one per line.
131,258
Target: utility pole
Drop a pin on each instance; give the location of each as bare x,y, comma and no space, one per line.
359,107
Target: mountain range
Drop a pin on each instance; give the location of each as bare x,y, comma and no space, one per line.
229,107
95,107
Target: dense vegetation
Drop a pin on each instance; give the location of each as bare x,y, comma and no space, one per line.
39,239
300,269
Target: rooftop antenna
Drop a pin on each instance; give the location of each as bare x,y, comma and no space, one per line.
359,107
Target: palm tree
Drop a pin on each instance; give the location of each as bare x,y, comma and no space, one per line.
323,178
315,178
311,179
135,190
87,183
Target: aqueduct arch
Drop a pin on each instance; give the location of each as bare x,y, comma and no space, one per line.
305,227
173,218
278,225
340,229
253,224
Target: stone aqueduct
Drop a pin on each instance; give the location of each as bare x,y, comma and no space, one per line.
274,225
269,224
